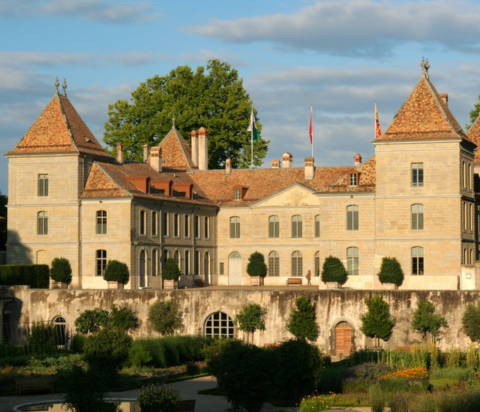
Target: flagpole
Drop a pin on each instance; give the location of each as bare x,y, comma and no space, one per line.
311,116
252,147
375,128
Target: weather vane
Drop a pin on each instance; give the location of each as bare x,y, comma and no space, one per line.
425,66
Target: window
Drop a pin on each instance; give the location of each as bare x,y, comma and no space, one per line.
234,227
465,256
43,185
197,227
165,224
352,217
317,264
206,227
187,262
142,222
154,223
101,222
273,226
465,217
417,174
317,226
101,262
176,257
206,265
417,260
464,171
353,179
472,217
470,176
59,325
197,263
297,264
176,224
352,261
222,268
42,223
155,262
472,261
296,226
187,226
238,194
219,325
273,264
417,217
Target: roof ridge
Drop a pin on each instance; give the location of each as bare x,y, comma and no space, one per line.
111,179
179,136
66,120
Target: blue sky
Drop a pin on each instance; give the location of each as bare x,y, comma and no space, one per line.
339,55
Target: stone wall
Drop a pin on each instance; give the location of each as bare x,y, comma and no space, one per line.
331,307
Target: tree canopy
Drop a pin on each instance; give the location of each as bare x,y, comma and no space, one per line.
377,322
471,321
426,321
212,97
474,114
301,322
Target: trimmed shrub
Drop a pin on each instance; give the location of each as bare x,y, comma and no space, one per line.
377,322
121,317
471,321
425,321
42,339
333,270
391,271
35,276
165,316
170,270
158,398
250,318
61,271
301,322
256,265
116,271
91,320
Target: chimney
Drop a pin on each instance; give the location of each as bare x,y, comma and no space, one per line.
120,153
202,149
358,159
309,168
194,142
287,160
275,164
228,167
444,97
146,152
156,160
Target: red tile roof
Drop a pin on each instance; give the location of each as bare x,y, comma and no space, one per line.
176,152
366,181
424,115
59,129
474,135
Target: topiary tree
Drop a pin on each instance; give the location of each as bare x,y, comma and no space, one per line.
334,271
165,317
116,271
377,322
170,270
471,321
391,271
256,265
250,318
425,321
301,322
61,271
121,317
91,320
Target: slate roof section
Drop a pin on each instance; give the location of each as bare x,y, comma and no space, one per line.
474,136
59,129
261,182
176,152
423,115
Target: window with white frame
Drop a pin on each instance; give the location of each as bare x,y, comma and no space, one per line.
238,194
317,226
273,264
352,261
417,174
273,226
235,227
317,264
352,217
101,262
297,226
353,179
219,325
43,185
297,264
417,260
417,216
101,222
42,223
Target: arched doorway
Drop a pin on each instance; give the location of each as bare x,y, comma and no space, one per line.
343,339
235,269
142,269
59,324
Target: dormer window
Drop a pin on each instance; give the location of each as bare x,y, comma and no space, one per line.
238,194
353,179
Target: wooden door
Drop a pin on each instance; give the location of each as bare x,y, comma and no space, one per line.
343,339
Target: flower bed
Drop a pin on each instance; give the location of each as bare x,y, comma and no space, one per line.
410,373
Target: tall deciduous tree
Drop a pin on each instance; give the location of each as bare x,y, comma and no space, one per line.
213,97
426,321
377,322
301,322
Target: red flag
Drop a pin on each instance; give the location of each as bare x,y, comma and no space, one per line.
378,132
311,124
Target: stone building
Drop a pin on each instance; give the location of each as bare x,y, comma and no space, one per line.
415,200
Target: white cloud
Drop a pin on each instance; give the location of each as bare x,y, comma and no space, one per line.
104,11
130,58
205,55
357,27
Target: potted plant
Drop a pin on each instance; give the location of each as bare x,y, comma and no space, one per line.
170,274
391,273
116,274
334,273
256,269
61,273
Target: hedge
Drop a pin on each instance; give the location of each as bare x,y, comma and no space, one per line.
35,276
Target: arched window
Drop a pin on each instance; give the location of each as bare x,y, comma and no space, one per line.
143,224
317,264
59,325
42,223
101,222
154,224
273,226
273,264
101,262
187,262
352,261
417,260
352,217
317,226
297,264
219,325
234,227
155,262
417,216
235,255
296,226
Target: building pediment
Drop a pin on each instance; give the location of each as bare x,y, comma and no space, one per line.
293,195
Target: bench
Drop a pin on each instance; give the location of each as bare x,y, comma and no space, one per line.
185,406
33,383
294,281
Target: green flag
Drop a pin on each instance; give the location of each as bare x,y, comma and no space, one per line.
253,127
